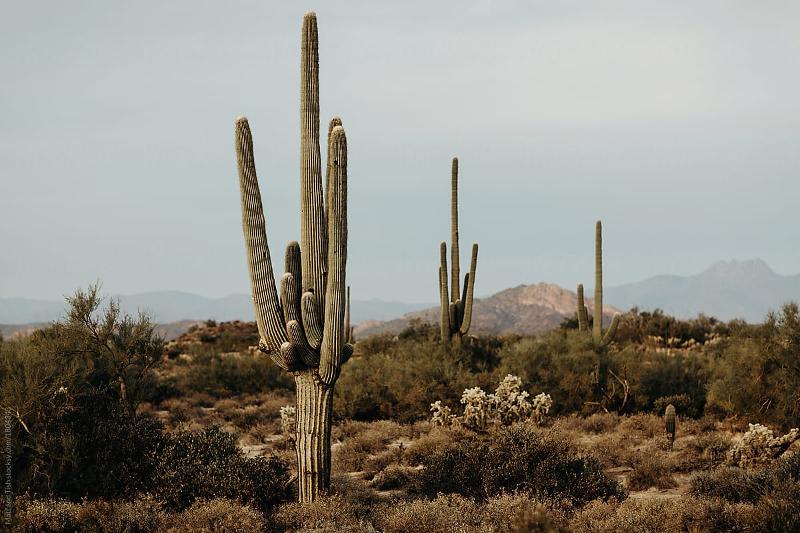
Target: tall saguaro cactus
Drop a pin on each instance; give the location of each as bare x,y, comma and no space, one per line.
303,331
598,337
456,308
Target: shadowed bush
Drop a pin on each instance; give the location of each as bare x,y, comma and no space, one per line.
517,459
208,465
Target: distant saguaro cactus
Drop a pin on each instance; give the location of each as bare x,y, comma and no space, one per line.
597,317
669,424
456,309
303,332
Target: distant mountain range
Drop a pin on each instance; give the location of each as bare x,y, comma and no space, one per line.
173,306
726,290
523,309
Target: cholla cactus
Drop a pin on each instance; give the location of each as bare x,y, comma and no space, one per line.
442,415
669,424
509,403
288,419
759,445
597,318
476,408
542,403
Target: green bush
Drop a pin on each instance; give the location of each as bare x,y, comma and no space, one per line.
759,374
227,374
519,458
208,464
402,382
73,388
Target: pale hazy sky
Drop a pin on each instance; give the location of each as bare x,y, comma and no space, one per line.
677,123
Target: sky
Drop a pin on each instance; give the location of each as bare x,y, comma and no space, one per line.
676,123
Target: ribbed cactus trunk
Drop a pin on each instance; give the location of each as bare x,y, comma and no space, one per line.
456,305
597,325
303,331
313,438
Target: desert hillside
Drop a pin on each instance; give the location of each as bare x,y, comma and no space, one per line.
524,309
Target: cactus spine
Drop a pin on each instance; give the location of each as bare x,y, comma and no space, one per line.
598,337
456,307
669,423
303,331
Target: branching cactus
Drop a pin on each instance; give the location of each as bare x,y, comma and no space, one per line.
456,307
598,337
669,424
303,331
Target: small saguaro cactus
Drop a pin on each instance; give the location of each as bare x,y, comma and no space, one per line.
669,424
456,308
303,331
597,318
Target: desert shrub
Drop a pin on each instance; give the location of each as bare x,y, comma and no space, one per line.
222,374
612,450
651,470
731,483
664,515
45,516
516,459
520,513
73,389
643,424
393,476
217,515
361,441
457,468
653,375
430,443
402,382
327,513
742,485
141,515
759,373
712,446
681,402
447,512
208,464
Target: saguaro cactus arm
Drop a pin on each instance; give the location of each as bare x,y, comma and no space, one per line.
444,299
269,315
583,316
333,334
469,291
